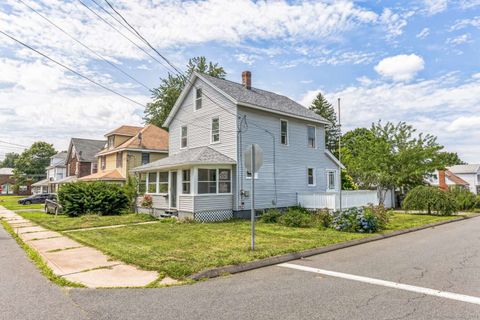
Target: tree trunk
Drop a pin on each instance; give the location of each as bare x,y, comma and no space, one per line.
381,195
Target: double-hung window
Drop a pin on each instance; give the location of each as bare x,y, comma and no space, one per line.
163,182
119,156
284,132
186,181
311,136
198,98
142,183
331,180
152,182
311,177
145,158
103,162
184,137
215,134
224,181
212,181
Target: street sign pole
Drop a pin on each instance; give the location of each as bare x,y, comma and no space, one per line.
252,197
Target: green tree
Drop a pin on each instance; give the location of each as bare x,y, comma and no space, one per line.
448,159
165,96
33,161
9,161
323,108
390,155
347,181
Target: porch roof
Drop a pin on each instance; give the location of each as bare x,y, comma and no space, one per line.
193,156
65,180
41,183
113,175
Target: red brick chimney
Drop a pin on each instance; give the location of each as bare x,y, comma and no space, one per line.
442,183
247,79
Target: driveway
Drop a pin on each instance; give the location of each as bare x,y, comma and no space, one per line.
444,258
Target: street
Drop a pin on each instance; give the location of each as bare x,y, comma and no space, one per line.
443,258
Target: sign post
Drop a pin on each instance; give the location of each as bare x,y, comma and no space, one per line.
253,162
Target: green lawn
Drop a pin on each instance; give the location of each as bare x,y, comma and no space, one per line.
10,202
63,222
181,249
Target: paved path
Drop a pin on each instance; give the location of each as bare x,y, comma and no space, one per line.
443,258
75,262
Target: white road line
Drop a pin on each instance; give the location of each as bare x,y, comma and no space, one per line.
390,284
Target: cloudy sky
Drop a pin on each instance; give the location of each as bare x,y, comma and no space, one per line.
415,61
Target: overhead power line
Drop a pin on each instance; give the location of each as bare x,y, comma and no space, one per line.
13,144
71,70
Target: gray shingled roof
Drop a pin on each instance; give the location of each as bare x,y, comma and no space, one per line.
262,98
465,168
200,155
87,149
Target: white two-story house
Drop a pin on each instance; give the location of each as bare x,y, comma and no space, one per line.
211,125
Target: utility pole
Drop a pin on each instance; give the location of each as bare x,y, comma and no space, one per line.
252,198
339,151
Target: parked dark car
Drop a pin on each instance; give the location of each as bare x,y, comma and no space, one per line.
37,198
53,206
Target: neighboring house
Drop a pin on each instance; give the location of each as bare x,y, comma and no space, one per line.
204,176
470,173
6,181
56,171
81,160
40,186
129,147
444,179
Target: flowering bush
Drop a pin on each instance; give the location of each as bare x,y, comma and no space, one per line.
147,201
355,220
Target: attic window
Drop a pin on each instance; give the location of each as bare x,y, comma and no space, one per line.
111,141
198,98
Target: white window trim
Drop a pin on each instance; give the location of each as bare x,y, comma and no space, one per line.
211,130
327,185
217,182
288,132
314,135
314,173
189,181
195,99
157,183
181,137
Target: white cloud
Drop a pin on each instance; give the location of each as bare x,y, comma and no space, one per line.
467,4
401,67
464,23
246,58
464,38
443,106
435,6
393,23
423,34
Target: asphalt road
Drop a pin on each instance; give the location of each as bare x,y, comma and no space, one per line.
443,258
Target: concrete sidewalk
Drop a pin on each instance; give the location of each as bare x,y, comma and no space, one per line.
74,261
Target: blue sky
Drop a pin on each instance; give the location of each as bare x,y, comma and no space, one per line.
413,61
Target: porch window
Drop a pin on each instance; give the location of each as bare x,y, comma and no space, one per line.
163,182
311,176
152,182
207,181
198,98
186,181
142,183
311,136
284,132
224,181
145,158
215,130
184,137
331,181
119,159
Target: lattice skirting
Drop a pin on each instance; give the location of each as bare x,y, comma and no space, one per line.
214,215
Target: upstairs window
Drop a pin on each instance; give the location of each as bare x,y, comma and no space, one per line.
186,181
184,137
119,159
103,162
111,142
311,136
284,132
145,158
215,130
94,167
198,98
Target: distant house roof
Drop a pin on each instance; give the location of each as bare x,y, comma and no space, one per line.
255,97
152,138
60,159
200,155
86,149
41,183
61,155
6,171
113,175
125,131
465,168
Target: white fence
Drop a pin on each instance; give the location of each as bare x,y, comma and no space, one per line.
331,200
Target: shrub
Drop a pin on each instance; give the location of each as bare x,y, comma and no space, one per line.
92,197
383,215
147,201
431,199
271,216
465,199
477,204
323,218
296,217
355,220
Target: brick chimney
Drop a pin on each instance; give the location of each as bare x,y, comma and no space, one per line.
442,183
247,79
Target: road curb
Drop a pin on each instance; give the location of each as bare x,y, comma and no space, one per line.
215,272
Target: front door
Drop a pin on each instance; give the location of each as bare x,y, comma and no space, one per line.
173,189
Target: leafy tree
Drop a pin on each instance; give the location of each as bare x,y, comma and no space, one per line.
33,161
390,155
323,108
448,159
347,181
165,96
9,161
430,199
131,191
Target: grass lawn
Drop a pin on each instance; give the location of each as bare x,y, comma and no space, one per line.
63,222
181,249
10,202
